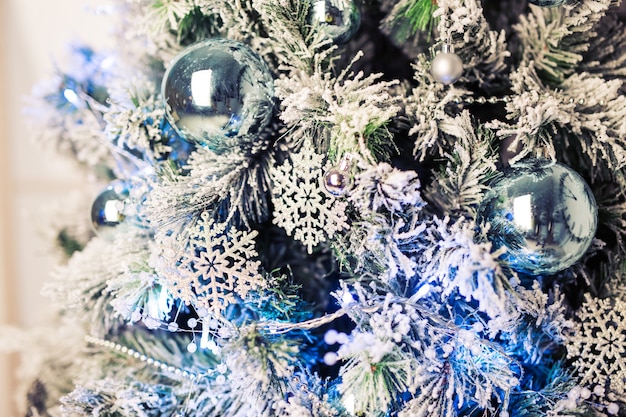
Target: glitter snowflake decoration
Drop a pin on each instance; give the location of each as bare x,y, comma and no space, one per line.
599,347
301,206
217,266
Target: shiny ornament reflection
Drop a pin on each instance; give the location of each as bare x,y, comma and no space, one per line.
447,67
339,19
216,89
337,180
543,213
108,209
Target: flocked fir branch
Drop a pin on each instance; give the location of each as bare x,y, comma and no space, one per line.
68,108
470,165
483,50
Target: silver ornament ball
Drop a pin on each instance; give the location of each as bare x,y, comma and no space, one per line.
447,67
338,19
543,213
218,89
107,210
337,182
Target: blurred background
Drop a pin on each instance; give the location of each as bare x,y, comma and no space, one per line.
35,35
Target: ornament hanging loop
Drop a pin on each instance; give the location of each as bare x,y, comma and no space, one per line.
447,48
346,162
541,153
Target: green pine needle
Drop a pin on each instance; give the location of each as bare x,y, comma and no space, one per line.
379,139
420,15
196,26
410,17
68,243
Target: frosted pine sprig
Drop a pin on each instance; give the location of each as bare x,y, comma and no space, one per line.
470,165
339,112
457,263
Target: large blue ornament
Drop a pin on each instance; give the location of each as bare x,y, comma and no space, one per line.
543,213
218,89
338,19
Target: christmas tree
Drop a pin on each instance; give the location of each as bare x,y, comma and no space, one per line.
342,208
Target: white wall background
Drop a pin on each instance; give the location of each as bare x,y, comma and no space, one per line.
34,34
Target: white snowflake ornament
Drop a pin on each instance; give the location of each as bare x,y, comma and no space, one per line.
301,205
218,264
599,347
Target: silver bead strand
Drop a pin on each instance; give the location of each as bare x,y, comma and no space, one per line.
158,365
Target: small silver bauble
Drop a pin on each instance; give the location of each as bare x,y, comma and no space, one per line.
339,19
337,180
107,210
447,67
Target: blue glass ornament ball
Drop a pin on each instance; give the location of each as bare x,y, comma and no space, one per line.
338,19
218,89
107,210
543,213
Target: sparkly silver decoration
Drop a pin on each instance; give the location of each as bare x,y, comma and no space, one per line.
217,89
447,67
337,180
543,213
131,353
108,209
